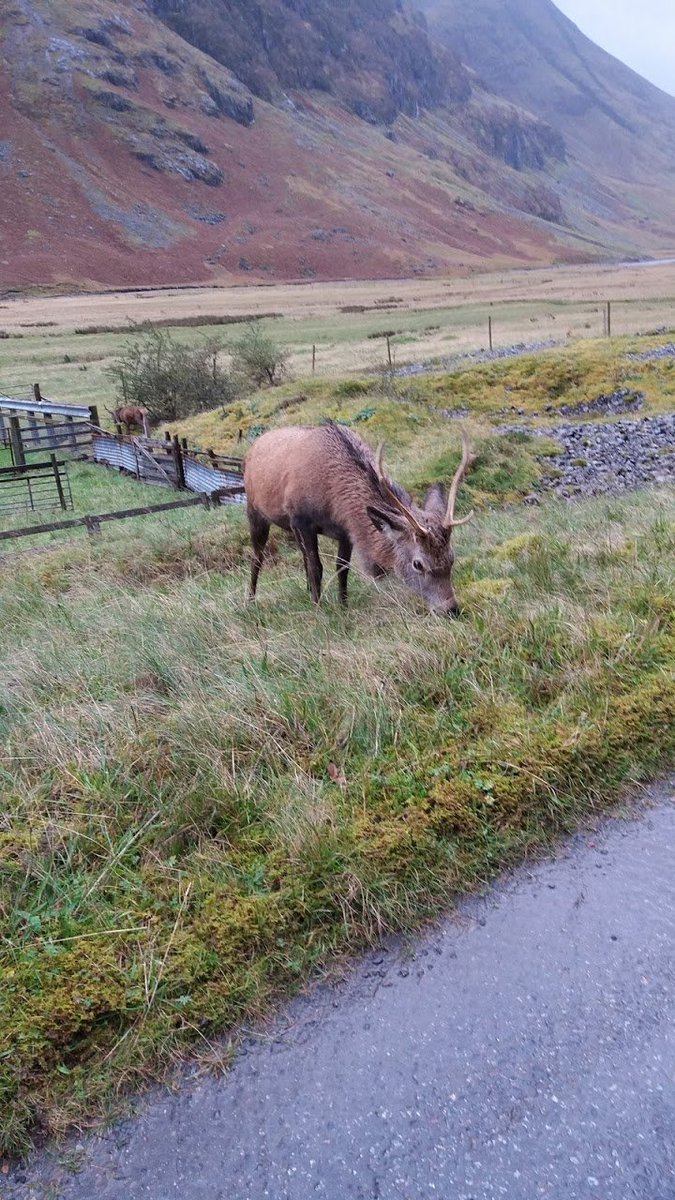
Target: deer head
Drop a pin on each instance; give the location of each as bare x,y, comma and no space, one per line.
420,539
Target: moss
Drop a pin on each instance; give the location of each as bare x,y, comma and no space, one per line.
514,548
487,589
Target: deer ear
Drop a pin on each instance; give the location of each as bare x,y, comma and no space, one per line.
384,520
435,501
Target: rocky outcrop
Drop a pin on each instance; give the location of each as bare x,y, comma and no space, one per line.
375,56
516,138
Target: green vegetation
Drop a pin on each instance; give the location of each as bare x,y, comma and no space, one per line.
205,801
74,368
410,413
170,379
258,358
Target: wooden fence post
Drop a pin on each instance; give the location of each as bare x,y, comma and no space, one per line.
37,393
389,349
92,525
57,480
490,331
180,465
16,440
313,360
609,318
51,436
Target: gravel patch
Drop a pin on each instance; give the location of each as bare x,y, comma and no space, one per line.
455,361
604,459
621,401
667,351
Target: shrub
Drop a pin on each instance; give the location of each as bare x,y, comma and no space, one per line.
170,379
258,358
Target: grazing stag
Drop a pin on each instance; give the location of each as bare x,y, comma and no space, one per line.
324,479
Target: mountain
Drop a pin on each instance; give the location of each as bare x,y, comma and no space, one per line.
619,130
167,141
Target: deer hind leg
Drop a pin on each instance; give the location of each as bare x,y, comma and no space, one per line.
260,531
344,557
307,539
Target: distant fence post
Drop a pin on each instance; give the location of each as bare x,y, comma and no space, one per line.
16,441
609,318
179,464
490,331
389,349
313,360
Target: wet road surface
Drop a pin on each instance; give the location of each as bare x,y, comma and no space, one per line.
525,1048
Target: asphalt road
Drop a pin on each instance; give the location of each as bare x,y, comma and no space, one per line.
525,1048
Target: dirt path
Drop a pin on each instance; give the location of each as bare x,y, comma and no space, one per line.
523,1049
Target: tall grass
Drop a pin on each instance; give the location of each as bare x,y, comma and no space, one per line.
203,800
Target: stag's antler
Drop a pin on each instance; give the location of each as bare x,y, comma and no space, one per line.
391,497
468,459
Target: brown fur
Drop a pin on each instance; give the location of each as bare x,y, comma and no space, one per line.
315,480
131,416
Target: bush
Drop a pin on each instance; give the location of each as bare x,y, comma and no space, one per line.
170,379
258,358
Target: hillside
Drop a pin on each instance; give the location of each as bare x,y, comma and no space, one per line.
306,144
618,128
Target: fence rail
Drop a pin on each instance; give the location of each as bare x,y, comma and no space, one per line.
43,408
93,523
33,426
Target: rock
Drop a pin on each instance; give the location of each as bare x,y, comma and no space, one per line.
455,361
617,456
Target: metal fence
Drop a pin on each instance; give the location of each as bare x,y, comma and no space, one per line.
35,426
169,464
30,427
35,488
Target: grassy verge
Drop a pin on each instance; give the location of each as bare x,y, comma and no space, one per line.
411,413
204,801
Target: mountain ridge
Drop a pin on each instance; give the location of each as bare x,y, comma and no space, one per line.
129,155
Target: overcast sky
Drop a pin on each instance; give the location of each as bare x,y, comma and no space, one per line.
639,32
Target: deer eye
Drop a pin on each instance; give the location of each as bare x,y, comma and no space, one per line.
418,566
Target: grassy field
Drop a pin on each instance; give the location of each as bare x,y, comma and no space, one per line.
205,802
428,318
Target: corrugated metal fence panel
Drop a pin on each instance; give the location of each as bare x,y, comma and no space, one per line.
122,454
116,453
200,478
10,406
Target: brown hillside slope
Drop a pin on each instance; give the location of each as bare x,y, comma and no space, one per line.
129,156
